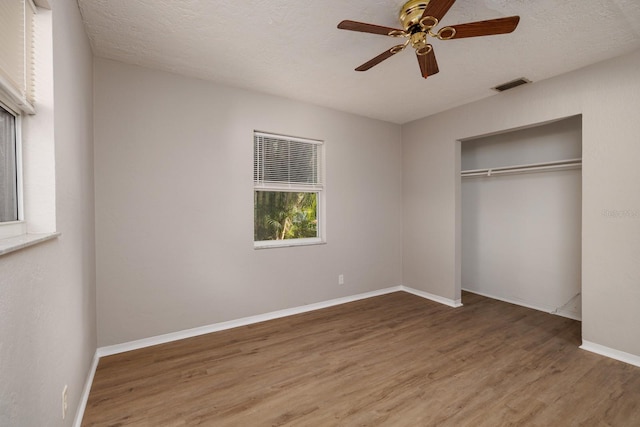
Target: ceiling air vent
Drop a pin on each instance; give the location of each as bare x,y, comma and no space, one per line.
510,85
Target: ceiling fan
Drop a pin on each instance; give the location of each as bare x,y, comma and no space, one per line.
419,18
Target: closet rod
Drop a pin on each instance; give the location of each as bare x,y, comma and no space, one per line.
556,165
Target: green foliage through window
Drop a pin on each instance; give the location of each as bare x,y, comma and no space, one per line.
281,215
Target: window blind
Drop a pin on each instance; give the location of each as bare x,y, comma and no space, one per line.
287,162
16,51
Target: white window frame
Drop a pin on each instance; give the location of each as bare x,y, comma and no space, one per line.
35,167
15,228
318,189
16,97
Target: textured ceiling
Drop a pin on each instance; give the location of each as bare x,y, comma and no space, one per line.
293,49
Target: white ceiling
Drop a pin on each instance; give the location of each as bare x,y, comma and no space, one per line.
293,49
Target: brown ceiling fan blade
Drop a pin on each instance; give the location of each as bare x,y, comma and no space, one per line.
485,28
428,64
366,28
438,8
378,59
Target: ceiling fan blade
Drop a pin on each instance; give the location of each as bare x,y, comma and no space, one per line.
378,59
485,28
438,8
367,28
428,64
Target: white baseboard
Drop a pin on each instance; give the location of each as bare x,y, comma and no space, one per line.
216,327
549,310
568,314
629,358
446,301
175,336
82,405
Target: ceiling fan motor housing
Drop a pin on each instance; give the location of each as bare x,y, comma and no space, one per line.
411,13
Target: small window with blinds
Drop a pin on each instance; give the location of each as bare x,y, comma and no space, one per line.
288,190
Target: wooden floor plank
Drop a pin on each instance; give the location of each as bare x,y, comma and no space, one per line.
394,360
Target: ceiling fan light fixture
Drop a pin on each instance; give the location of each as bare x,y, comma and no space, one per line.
428,22
425,50
446,33
398,48
397,33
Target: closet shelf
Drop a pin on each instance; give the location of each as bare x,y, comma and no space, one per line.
532,167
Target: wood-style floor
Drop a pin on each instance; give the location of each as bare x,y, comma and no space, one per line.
394,360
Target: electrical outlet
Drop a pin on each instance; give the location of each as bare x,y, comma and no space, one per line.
341,279
65,404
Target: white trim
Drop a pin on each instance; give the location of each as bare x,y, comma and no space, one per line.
19,168
288,243
288,138
611,353
287,187
13,244
550,310
84,397
436,298
11,229
567,314
216,327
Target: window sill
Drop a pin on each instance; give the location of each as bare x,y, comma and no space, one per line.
269,244
13,244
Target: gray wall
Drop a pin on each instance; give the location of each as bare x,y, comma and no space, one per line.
608,97
174,211
47,292
174,204
521,233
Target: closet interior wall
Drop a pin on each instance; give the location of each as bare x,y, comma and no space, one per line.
521,233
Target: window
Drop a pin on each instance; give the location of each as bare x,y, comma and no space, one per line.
8,167
288,190
16,98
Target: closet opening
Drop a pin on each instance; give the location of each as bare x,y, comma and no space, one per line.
521,216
